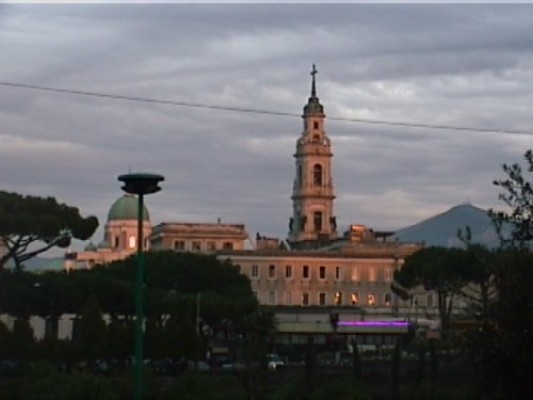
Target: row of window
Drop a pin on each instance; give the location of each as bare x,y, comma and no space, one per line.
196,245
129,242
322,299
322,272
337,299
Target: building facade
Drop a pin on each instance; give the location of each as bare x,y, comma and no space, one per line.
351,279
198,237
358,278
120,236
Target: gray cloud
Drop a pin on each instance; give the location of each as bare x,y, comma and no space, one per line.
460,65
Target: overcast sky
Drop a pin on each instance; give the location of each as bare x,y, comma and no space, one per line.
451,65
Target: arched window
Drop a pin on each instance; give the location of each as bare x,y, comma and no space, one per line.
317,221
271,271
317,174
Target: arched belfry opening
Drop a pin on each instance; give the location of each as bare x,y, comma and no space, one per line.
317,175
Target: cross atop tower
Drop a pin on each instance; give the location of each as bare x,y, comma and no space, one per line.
313,85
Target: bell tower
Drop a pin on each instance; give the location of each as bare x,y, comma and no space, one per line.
313,222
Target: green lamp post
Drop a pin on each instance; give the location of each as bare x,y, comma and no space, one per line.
141,185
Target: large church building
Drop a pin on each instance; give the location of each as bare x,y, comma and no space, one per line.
322,270
315,272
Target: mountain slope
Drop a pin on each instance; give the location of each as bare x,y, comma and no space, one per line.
441,230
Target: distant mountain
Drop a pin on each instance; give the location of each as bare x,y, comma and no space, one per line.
441,230
41,264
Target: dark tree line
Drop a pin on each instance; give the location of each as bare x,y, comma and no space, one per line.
496,283
190,299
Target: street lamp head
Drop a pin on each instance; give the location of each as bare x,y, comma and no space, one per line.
141,183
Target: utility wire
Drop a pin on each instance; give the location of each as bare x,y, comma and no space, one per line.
253,110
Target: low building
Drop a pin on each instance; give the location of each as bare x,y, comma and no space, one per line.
198,237
358,277
350,277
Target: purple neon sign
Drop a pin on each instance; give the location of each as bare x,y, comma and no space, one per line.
387,324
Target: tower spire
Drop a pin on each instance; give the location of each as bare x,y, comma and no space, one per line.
314,71
313,104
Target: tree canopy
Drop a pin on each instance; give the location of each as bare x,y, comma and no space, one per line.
185,294
177,282
518,195
30,225
444,270
173,281
504,362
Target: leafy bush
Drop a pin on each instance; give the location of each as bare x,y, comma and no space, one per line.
45,382
206,387
438,392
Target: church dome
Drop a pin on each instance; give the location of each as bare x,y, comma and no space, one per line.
126,208
90,247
